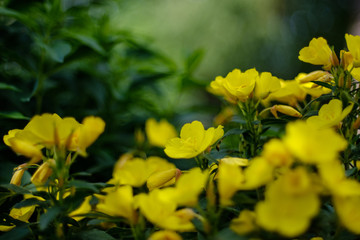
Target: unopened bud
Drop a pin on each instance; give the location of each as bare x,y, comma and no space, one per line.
43,173
163,178
334,59
18,174
346,59
284,109
356,124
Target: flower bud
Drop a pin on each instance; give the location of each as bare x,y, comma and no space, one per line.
163,178
287,110
346,59
18,174
43,173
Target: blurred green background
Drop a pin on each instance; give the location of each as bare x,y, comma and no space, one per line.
126,61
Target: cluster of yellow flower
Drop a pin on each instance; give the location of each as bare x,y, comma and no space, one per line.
270,184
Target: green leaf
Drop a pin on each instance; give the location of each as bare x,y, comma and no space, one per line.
59,50
234,131
323,84
48,217
14,14
193,61
87,41
6,86
18,233
78,184
95,234
351,171
15,188
29,202
13,115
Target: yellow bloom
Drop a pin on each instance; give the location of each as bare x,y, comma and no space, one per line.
236,86
188,187
330,114
165,235
290,204
290,93
318,53
276,153
159,133
194,140
86,134
84,208
160,209
230,179
22,214
244,223
266,84
258,173
313,145
348,211
242,162
136,171
119,201
353,45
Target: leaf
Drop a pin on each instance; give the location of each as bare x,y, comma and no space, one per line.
14,14
29,202
59,50
48,217
95,234
87,41
193,61
13,115
18,233
15,188
323,84
83,185
351,171
234,131
6,86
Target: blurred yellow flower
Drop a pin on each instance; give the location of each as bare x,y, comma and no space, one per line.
290,93
290,204
162,178
311,144
137,171
230,179
244,223
266,84
348,210
165,235
84,208
330,114
160,209
258,173
194,140
158,133
22,214
276,153
43,172
119,201
353,45
318,53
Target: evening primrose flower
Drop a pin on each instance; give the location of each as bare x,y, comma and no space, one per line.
119,201
236,86
22,214
289,93
165,235
311,88
160,209
266,84
318,53
330,114
230,179
194,140
311,144
290,204
353,44
159,133
244,223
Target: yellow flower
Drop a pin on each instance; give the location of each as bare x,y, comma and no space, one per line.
165,235
318,53
242,162
276,153
25,148
313,145
259,173
348,211
236,86
353,45
194,140
86,134
84,208
18,174
119,201
22,214
159,133
160,209
188,187
137,171
266,84
230,179
330,114
244,223
311,88
290,93
290,204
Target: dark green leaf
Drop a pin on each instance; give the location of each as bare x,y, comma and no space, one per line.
83,185
87,41
18,233
59,50
15,188
95,234
323,84
9,87
14,14
234,131
29,202
48,217
351,172
193,61
13,115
